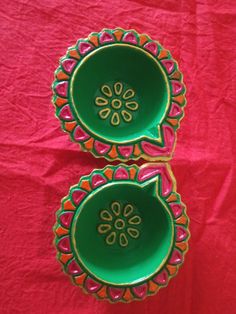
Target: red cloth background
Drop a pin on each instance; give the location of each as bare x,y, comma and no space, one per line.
38,163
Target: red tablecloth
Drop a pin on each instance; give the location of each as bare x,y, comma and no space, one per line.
38,163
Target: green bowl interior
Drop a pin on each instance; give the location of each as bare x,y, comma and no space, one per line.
143,256
135,69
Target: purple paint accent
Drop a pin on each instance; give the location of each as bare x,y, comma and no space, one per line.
140,291
181,233
125,151
161,278
169,65
85,47
130,38
64,245
65,113
176,258
98,180
101,148
62,88
92,285
177,87
68,65
151,47
106,37
66,219
80,135
175,110
74,269
78,196
177,209
115,293
121,174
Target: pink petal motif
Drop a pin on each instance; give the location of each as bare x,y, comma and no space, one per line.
177,87
125,151
68,65
156,151
140,291
151,47
130,38
106,37
121,174
101,148
85,47
161,278
175,110
80,135
66,219
98,180
169,65
176,258
181,233
115,293
78,196
74,269
177,209
65,113
62,88
92,285
149,172
64,245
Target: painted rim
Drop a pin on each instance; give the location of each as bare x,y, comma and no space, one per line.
152,149
85,189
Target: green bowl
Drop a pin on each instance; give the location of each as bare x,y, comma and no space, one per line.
120,95
122,232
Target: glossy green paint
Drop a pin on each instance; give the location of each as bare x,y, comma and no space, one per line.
114,264
137,70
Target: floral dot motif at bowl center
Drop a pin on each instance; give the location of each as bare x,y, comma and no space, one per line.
117,103
120,224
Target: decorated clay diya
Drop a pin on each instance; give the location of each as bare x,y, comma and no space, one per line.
122,231
120,95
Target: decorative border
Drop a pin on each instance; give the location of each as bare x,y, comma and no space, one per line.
166,191
148,149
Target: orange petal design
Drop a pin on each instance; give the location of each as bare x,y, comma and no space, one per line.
172,198
73,53
62,76
69,126
128,295
64,258
89,144
173,122
163,54
113,152
176,75
152,287
171,269
143,39
132,172
118,34
80,279
60,101
182,246
102,293
93,39
182,220
85,185
108,173
60,231
68,205
137,151
179,99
